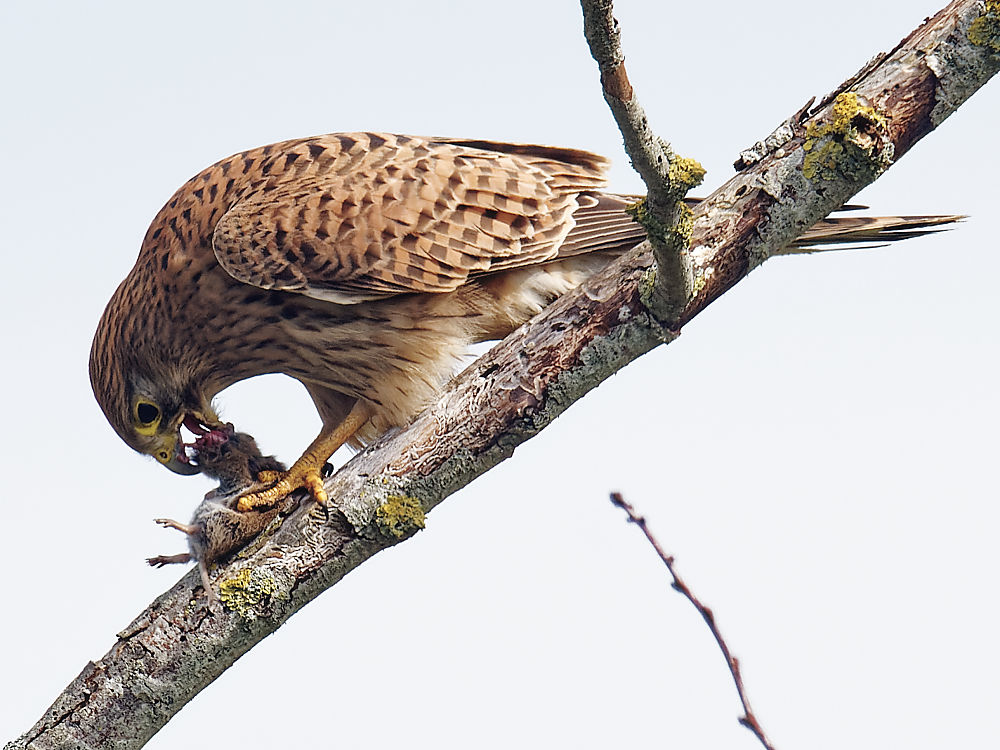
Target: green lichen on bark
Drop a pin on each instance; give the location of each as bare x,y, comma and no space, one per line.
701,279
399,516
685,173
647,285
853,143
675,237
247,591
682,175
985,30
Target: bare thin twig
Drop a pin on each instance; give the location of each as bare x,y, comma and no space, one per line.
749,719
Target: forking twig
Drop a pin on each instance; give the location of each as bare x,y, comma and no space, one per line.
668,177
749,720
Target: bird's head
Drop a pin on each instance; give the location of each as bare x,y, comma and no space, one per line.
151,415
148,404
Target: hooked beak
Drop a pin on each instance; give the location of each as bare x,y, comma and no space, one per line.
179,465
170,453
182,457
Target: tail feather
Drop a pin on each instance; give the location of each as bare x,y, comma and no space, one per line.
864,232
603,225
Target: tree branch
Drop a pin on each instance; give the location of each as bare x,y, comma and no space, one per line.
823,156
668,177
749,718
178,645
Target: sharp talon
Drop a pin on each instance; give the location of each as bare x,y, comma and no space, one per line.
314,484
327,471
320,512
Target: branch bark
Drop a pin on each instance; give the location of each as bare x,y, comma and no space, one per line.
178,645
667,176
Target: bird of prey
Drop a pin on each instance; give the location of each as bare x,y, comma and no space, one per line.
361,264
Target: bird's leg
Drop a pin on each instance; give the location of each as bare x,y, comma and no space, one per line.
307,471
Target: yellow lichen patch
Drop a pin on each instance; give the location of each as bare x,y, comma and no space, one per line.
400,516
985,30
854,143
685,224
676,237
701,279
647,286
246,591
685,173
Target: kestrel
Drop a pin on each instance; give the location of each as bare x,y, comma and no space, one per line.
361,264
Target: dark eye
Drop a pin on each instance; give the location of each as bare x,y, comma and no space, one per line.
147,412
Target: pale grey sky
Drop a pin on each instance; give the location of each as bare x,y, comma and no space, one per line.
818,449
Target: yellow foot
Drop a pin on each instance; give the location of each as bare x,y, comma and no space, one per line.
274,486
307,471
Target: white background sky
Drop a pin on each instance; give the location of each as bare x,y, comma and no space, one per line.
818,449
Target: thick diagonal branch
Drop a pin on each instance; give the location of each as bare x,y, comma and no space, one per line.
178,646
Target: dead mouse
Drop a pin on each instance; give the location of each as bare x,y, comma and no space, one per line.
217,529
